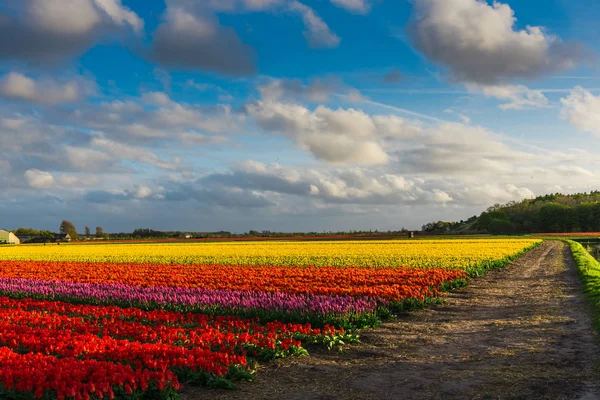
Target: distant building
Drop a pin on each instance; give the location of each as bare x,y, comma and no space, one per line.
7,237
62,237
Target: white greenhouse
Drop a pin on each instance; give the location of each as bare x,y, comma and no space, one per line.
7,237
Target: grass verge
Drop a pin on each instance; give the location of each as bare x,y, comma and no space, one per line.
589,272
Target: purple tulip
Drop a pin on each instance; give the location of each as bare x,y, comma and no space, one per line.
234,299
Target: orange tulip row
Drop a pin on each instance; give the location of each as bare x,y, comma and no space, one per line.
393,284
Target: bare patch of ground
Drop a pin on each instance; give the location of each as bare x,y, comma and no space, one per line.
521,332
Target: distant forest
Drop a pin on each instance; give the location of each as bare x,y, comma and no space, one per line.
550,213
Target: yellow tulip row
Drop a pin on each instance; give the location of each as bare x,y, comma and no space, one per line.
452,253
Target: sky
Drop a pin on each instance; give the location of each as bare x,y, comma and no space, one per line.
292,115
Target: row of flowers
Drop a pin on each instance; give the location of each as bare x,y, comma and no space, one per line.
229,334
348,297
36,375
465,253
317,309
391,284
94,329
191,347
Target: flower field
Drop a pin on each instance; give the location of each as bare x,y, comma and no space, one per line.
140,321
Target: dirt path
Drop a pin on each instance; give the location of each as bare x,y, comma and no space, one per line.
522,332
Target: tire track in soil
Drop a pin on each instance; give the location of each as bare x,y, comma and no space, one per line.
520,332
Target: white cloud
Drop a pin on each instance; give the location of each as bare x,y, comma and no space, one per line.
573,170
66,180
356,185
316,90
121,15
244,5
491,193
56,30
582,110
336,136
122,151
517,97
141,192
192,39
86,159
18,86
71,17
464,118
37,179
351,136
356,6
76,17
317,32
478,42
156,117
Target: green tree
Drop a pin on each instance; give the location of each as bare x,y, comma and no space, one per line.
68,228
501,227
99,232
556,217
486,218
87,232
585,216
26,232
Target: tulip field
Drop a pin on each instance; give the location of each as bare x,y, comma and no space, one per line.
133,321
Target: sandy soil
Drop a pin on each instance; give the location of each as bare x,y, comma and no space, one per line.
522,332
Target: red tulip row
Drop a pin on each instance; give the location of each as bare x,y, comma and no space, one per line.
39,375
107,315
44,345
68,330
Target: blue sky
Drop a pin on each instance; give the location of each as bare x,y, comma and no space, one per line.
290,114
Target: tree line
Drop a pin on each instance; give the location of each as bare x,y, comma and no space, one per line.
66,227
550,213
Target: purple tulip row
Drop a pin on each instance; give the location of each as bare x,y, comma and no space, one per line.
195,298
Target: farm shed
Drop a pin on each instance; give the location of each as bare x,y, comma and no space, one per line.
62,237
7,237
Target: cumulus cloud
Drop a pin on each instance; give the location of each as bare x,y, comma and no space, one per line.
336,136
317,32
355,6
243,5
66,180
155,117
360,186
121,15
351,136
18,86
37,179
490,193
88,159
315,91
479,43
573,171
52,31
582,110
448,149
516,97
191,38
121,151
